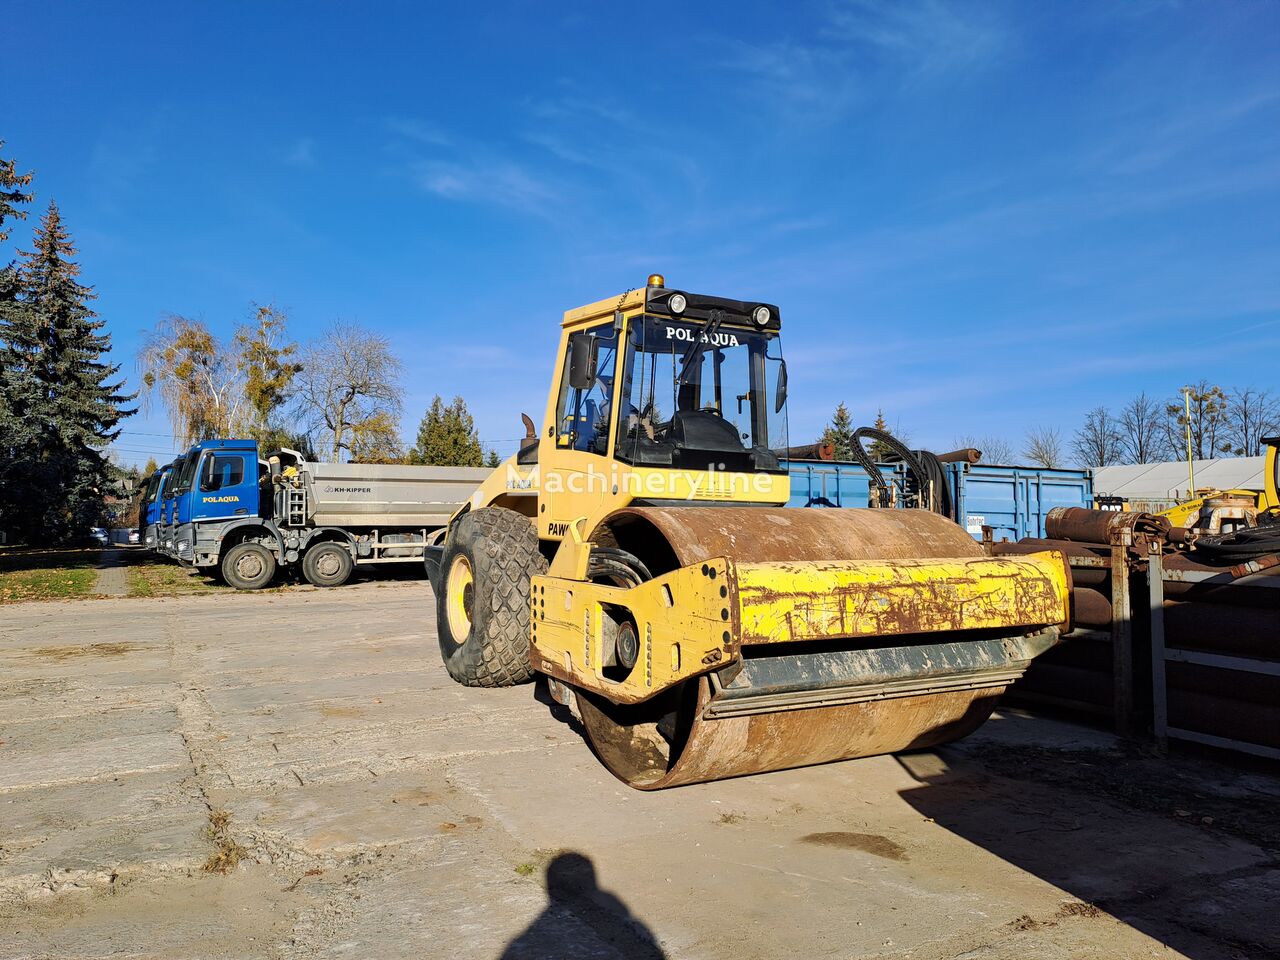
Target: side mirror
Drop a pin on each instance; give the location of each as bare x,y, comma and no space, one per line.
582,361
208,480
780,394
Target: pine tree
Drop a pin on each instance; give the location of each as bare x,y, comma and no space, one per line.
19,432
11,193
839,434
17,385
880,451
59,389
447,437
493,460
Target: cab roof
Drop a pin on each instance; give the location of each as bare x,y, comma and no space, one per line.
657,298
240,444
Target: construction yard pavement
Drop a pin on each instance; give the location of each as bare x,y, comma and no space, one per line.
294,775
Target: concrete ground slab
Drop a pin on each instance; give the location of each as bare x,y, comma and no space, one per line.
364,805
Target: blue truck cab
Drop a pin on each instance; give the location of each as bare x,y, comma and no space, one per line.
152,501
220,484
166,515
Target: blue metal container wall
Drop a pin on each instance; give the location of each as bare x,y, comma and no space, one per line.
821,483
1013,501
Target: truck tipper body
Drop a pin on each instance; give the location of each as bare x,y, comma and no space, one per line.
247,517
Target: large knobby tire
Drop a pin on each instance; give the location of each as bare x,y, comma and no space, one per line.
482,607
327,564
248,566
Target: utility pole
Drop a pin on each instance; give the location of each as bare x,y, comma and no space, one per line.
1191,463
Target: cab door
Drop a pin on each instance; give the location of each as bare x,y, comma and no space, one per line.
226,485
579,475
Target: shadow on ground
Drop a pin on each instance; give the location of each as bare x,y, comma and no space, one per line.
1186,852
575,901
163,573
13,559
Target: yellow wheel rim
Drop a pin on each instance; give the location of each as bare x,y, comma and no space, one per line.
459,591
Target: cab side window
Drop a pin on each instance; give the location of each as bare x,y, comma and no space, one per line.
222,470
582,417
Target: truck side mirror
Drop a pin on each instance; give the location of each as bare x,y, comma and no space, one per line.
780,393
208,480
582,361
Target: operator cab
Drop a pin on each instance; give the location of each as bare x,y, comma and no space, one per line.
702,379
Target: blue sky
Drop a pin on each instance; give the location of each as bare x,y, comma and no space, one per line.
979,216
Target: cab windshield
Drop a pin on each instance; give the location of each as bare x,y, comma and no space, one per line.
701,399
184,470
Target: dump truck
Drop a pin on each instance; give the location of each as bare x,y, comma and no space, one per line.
167,513
244,517
636,553
150,504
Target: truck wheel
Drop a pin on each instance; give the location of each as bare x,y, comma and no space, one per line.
248,566
327,564
482,608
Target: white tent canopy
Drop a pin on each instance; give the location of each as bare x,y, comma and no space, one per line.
1168,483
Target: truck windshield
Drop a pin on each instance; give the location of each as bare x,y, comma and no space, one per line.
185,470
719,411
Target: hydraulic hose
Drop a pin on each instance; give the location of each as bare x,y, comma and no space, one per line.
1247,544
617,565
930,478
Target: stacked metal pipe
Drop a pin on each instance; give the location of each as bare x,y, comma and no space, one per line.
1214,617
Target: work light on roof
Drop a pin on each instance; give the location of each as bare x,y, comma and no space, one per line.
761,315
676,303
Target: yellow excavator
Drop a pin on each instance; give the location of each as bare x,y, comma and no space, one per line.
637,553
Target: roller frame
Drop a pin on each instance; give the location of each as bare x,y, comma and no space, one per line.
697,618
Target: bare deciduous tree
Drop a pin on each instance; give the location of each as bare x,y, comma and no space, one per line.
1209,409
1043,447
1143,438
348,387
1097,442
994,449
1252,415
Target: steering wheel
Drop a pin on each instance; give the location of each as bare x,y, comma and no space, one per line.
644,422
712,408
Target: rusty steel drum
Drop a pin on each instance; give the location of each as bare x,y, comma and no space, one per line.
672,740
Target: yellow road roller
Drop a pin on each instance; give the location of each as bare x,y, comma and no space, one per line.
638,553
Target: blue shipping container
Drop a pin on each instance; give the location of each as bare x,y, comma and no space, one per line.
1013,501
825,483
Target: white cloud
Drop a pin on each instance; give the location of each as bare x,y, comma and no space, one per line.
930,36
419,131
479,180
453,169
837,69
